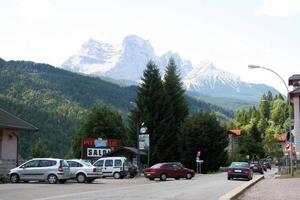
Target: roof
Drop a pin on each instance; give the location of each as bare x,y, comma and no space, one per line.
281,137
132,150
294,79
295,92
10,121
235,132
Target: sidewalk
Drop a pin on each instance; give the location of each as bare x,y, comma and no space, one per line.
272,188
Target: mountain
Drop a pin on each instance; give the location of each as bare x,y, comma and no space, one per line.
207,79
127,61
56,100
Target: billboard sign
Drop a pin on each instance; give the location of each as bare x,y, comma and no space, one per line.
97,147
144,142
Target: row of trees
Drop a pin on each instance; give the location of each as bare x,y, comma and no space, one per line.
260,127
162,106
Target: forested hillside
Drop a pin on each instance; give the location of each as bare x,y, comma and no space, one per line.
55,100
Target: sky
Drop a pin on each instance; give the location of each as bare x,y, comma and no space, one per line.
230,33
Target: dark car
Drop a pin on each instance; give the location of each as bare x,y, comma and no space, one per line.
257,167
239,170
168,170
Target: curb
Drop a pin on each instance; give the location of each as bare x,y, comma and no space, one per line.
237,191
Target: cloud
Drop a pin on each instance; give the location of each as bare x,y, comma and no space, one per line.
35,9
281,8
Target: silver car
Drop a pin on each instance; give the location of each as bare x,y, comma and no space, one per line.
42,169
84,171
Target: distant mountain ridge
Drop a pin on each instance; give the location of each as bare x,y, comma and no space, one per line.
128,60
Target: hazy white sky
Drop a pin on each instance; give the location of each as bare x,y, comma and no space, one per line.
230,33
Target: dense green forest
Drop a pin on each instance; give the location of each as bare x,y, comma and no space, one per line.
55,101
260,126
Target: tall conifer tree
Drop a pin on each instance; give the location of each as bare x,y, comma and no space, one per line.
149,109
176,110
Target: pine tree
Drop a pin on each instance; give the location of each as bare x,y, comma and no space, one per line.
176,110
149,109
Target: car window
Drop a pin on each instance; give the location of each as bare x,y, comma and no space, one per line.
74,164
108,163
237,164
47,163
33,163
64,163
99,163
118,163
175,166
156,166
86,162
168,166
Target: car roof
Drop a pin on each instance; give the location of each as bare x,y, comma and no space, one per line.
46,159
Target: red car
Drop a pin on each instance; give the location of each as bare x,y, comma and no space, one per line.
168,170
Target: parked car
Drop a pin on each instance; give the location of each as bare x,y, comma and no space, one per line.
41,169
168,170
83,171
116,167
257,167
239,170
267,164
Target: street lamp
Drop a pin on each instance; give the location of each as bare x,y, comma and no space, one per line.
289,103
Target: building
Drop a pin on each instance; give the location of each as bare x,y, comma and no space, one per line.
10,128
129,152
233,141
295,118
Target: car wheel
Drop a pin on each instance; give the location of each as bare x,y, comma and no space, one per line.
52,179
228,178
189,175
177,178
80,178
14,178
117,175
163,177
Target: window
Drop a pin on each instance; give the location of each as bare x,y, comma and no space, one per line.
74,164
63,163
108,163
47,163
33,163
99,163
118,163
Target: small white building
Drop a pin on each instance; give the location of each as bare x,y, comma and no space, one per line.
10,127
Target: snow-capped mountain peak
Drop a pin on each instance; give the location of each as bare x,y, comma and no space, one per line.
207,74
128,60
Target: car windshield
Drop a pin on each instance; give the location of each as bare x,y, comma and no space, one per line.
156,166
239,164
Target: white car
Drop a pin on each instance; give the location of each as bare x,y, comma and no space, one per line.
116,167
41,169
83,171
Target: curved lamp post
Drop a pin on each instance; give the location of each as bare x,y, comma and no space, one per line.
289,103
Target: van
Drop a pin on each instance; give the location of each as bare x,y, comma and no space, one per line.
116,167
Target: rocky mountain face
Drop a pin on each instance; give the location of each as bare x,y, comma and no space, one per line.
127,61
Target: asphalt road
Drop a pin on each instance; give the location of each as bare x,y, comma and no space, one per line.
200,187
